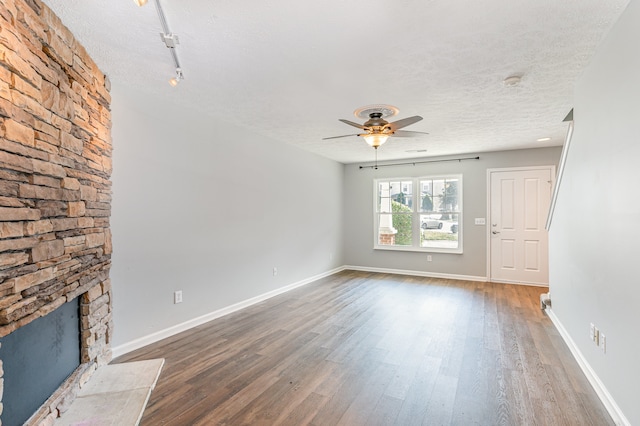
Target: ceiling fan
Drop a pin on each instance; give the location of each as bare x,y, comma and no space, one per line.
376,129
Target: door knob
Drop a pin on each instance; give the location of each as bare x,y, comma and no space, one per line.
495,232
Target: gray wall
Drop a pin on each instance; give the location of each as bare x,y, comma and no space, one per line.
358,225
595,233
209,209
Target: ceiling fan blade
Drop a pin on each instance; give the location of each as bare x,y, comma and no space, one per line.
351,123
408,134
336,137
404,122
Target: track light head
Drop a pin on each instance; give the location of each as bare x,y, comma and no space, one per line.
174,81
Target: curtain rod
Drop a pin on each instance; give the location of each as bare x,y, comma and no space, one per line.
413,163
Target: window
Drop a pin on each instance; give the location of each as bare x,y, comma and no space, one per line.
421,214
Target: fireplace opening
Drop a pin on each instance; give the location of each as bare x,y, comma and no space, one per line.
37,358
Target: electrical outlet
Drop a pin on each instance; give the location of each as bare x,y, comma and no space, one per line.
275,271
177,296
429,258
592,332
603,342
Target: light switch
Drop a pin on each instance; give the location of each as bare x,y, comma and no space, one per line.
480,221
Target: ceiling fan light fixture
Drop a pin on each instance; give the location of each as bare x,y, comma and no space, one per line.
375,139
377,130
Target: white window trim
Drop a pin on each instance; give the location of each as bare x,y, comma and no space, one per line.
416,223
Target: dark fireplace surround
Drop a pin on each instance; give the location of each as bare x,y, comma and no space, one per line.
55,188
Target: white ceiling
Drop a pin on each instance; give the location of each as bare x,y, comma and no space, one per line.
288,69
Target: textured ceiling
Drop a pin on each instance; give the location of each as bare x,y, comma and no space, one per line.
288,69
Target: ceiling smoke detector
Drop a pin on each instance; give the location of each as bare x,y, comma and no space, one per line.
511,81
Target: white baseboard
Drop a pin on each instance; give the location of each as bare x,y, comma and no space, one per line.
532,284
614,411
416,273
178,328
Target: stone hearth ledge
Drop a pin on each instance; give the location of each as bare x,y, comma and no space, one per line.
116,394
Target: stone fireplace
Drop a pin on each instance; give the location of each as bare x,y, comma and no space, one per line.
55,188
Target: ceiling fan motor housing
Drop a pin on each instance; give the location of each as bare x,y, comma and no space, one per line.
376,120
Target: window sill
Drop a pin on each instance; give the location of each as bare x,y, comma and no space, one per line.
419,249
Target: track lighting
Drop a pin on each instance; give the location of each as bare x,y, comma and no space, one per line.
169,39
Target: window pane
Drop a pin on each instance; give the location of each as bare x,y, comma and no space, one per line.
431,221
450,195
402,192
384,198
400,233
403,223
395,188
439,195
426,187
439,231
438,186
426,195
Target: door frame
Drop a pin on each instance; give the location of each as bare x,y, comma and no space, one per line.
552,170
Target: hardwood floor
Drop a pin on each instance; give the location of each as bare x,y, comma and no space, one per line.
374,349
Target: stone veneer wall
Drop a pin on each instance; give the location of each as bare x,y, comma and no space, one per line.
55,192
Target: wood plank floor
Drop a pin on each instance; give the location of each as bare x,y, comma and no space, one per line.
360,348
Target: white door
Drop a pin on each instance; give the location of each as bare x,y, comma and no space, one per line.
519,250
